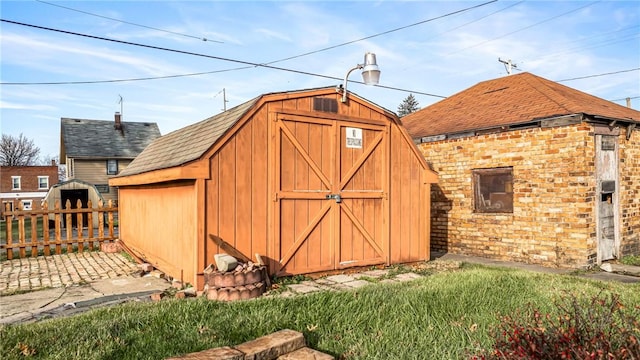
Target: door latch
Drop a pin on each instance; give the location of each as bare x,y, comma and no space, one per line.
336,197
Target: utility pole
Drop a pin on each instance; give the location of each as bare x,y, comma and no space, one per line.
224,100
508,65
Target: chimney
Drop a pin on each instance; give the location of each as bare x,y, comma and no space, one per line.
118,125
53,162
629,102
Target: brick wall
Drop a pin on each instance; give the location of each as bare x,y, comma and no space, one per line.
630,193
553,196
29,176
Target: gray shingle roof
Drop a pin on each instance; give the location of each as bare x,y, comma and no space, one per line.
186,144
84,138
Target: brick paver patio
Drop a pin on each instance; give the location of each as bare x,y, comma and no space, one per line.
61,270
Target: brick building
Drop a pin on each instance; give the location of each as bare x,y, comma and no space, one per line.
532,171
25,184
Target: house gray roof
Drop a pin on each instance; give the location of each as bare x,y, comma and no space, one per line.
186,144
82,138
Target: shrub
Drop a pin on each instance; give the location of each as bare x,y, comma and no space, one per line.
601,328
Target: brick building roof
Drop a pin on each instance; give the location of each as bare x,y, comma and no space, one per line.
510,100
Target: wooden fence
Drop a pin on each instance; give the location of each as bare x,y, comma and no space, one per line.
44,234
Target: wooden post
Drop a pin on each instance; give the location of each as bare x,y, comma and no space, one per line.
58,224
34,230
100,221
80,225
21,232
45,228
90,224
9,220
69,225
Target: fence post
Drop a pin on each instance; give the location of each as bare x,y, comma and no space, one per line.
80,225
58,226
68,225
9,220
100,221
21,232
45,228
34,230
90,224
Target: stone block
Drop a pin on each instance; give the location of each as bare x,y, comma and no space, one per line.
272,346
306,353
157,296
146,267
221,353
110,248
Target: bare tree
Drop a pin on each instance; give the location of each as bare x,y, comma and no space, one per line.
55,160
18,151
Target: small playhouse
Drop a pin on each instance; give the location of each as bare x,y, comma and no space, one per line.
308,182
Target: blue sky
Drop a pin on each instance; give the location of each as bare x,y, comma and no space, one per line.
422,47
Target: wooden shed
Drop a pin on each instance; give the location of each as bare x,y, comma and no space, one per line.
308,182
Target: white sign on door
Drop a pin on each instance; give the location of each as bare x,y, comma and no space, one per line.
354,138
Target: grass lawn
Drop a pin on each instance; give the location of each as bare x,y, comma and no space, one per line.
447,315
14,229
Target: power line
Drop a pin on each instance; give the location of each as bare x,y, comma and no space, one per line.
130,23
247,67
194,54
598,75
630,98
524,28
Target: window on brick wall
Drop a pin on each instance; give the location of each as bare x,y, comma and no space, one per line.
15,183
27,204
493,190
43,182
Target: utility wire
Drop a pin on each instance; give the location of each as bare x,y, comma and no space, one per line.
130,23
598,75
524,28
385,32
247,67
194,54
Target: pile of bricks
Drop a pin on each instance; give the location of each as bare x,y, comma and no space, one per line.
282,345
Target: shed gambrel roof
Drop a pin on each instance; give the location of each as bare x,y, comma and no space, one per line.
186,144
192,142
510,100
99,139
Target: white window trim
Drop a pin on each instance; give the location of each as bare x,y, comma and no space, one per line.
115,162
13,179
27,204
47,179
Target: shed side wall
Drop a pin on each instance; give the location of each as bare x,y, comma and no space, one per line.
159,222
409,203
553,219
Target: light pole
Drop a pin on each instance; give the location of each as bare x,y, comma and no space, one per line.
370,73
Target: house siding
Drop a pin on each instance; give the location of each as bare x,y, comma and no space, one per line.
553,196
95,172
630,193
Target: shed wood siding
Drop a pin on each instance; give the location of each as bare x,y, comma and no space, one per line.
237,194
630,193
553,201
159,223
262,185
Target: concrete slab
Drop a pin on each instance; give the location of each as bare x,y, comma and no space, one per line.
407,276
339,279
38,305
357,284
302,288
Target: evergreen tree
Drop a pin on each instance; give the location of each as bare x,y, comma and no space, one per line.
408,105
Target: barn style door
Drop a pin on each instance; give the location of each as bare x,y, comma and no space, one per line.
331,184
